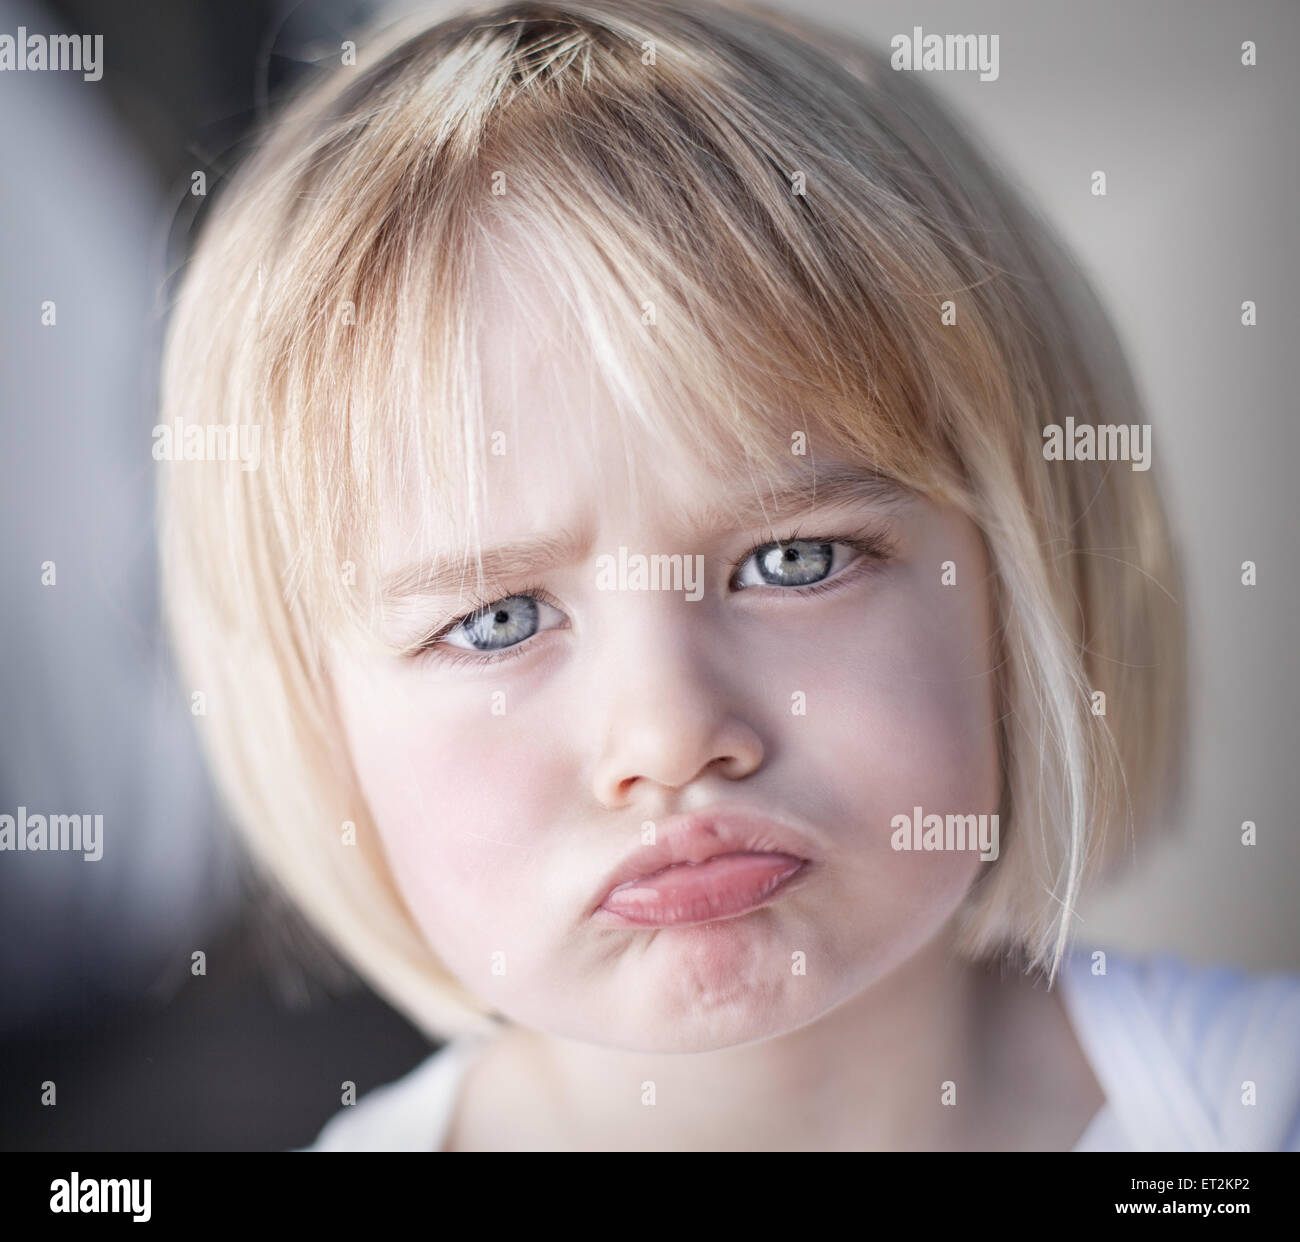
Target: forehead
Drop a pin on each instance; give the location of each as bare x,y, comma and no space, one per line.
564,430
562,454
570,443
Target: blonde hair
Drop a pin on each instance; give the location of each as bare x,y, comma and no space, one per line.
797,213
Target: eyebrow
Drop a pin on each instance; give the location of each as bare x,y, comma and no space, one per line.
834,487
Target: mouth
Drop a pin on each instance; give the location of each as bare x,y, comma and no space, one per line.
705,866
723,887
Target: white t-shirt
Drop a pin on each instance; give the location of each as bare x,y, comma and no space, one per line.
1174,1048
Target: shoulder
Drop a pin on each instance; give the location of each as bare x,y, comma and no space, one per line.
409,1114
1196,1057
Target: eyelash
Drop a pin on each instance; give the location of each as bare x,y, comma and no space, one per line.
874,550
431,649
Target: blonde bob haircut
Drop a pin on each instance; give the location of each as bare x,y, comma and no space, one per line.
798,213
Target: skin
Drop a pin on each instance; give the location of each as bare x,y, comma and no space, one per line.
634,705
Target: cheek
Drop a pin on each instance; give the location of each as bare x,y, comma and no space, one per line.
910,720
922,693
456,820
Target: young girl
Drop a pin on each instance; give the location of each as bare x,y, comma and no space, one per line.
656,641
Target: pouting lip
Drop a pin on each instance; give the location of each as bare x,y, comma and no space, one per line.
701,835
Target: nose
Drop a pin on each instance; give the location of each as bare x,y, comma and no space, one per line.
666,711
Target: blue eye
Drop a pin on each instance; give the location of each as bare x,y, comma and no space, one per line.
504,623
791,563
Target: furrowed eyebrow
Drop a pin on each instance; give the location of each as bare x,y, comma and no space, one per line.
834,486
450,575
530,557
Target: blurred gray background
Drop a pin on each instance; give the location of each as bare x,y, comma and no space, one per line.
1200,155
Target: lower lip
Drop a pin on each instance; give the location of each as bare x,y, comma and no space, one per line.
721,888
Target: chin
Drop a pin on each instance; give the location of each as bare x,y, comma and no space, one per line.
708,987
743,1022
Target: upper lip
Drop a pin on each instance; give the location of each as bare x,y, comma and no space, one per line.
700,835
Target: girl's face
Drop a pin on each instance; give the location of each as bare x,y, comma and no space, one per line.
814,692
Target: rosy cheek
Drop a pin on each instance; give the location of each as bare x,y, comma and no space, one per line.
908,721
915,707
458,799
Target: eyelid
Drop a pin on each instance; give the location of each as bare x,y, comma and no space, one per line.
480,605
871,541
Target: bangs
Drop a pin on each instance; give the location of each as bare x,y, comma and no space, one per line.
735,276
